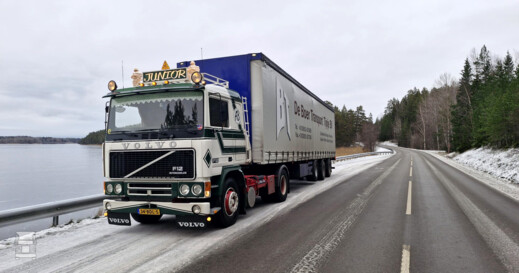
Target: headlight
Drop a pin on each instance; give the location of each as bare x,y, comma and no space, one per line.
184,189
108,206
196,189
118,188
109,188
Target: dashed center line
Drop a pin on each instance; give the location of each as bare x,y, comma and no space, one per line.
409,191
406,259
411,171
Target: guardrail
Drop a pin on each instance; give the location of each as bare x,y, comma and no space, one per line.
353,156
46,210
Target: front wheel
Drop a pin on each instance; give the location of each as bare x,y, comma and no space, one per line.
229,203
146,219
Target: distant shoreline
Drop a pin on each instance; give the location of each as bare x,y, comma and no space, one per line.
37,140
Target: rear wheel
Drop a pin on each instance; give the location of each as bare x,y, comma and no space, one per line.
146,219
328,168
313,175
229,203
281,186
321,170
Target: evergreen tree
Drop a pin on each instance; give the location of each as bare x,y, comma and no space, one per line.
462,111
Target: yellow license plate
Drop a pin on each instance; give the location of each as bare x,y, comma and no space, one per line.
149,211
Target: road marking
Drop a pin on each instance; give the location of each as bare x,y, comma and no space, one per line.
411,171
406,259
409,190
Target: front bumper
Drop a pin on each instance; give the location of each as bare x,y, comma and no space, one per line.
165,207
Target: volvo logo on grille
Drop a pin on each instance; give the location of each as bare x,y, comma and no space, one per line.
150,145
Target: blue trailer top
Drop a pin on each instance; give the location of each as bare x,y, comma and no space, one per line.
236,70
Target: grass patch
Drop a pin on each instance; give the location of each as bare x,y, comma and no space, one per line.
348,151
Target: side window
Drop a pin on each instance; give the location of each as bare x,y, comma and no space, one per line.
219,112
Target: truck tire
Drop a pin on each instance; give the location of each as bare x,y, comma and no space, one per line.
313,175
321,169
328,169
146,219
229,203
282,181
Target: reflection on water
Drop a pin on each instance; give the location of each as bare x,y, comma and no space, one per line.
32,174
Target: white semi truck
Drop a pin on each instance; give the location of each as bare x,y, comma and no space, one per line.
204,140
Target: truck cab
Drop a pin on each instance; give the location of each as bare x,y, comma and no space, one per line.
175,147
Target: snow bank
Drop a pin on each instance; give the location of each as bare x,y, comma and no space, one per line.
503,164
389,143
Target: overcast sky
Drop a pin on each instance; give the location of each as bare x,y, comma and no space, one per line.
56,57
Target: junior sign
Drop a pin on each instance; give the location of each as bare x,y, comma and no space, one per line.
162,75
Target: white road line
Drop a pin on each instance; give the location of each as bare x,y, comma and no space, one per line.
409,190
406,259
411,171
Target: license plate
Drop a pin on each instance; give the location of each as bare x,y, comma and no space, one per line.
121,219
149,211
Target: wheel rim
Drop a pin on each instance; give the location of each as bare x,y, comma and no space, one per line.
283,185
231,201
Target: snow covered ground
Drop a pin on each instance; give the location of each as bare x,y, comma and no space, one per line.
93,246
488,167
503,164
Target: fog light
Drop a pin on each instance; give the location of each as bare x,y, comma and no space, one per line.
109,188
196,189
118,188
108,206
208,219
196,209
196,77
184,189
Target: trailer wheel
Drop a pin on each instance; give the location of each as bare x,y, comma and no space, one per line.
321,170
281,186
146,219
313,175
229,203
328,169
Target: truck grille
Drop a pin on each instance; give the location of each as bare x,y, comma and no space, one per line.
150,189
179,164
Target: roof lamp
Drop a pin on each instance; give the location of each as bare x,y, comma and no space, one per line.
112,86
196,77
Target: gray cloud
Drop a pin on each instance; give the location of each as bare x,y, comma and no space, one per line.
57,56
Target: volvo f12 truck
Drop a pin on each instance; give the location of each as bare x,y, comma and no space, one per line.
205,140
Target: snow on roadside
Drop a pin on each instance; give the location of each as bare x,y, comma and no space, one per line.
9,242
389,143
500,185
503,164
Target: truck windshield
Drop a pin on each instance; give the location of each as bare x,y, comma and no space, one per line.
156,116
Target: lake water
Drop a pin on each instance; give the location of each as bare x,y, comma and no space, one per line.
32,174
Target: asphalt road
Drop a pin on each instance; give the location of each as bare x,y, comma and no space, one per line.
409,213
